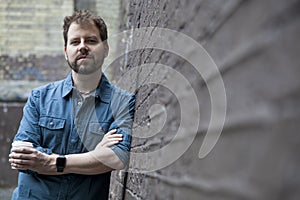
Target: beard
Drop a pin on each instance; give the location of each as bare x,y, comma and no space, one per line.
86,67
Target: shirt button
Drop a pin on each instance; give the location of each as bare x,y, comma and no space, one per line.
73,140
79,103
51,123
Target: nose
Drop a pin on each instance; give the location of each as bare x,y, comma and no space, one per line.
83,48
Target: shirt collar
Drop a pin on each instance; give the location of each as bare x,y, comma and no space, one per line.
104,89
68,86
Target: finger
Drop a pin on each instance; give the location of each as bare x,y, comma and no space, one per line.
111,132
107,136
20,156
114,140
27,150
111,143
20,162
18,166
114,136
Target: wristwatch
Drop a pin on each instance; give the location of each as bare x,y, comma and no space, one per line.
60,163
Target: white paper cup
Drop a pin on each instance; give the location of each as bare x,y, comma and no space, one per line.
21,144
18,144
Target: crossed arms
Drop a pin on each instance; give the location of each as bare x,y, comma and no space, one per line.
102,159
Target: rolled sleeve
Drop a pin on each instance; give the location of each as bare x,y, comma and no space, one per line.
123,123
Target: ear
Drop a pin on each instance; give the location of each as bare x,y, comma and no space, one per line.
106,49
65,52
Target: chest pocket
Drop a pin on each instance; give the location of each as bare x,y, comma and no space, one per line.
52,130
96,132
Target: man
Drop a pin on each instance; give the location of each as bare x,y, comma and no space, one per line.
80,127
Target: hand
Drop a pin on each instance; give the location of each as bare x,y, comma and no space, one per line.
110,139
104,154
24,158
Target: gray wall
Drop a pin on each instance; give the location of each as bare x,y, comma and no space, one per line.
255,46
10,116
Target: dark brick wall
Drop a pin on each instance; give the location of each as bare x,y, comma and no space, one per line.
33,68
255,46
10,116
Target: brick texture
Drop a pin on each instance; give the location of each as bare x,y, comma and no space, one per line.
31,44
10,116
255,47
31,41
32,27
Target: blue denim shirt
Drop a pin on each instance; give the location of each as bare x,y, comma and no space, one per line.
57,120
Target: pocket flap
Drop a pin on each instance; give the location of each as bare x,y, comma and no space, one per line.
52,123
98,128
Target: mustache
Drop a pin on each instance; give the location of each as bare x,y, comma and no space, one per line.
83,55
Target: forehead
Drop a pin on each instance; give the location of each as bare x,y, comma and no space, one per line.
83,30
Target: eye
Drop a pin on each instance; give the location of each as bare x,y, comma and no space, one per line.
75,42
92,41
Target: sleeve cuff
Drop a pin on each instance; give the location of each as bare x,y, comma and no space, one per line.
122,154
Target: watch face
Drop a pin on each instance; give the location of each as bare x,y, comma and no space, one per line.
61,161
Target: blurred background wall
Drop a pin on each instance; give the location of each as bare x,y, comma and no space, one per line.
255,47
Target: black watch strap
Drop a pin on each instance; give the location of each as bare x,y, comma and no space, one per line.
60,163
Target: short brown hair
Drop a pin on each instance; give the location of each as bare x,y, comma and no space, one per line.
84,16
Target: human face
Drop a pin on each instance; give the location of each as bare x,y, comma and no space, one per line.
85,51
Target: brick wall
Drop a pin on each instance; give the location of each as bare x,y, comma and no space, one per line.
255,47
31,45
32,27
10,116
31,42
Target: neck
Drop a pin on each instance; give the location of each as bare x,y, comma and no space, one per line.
86,83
